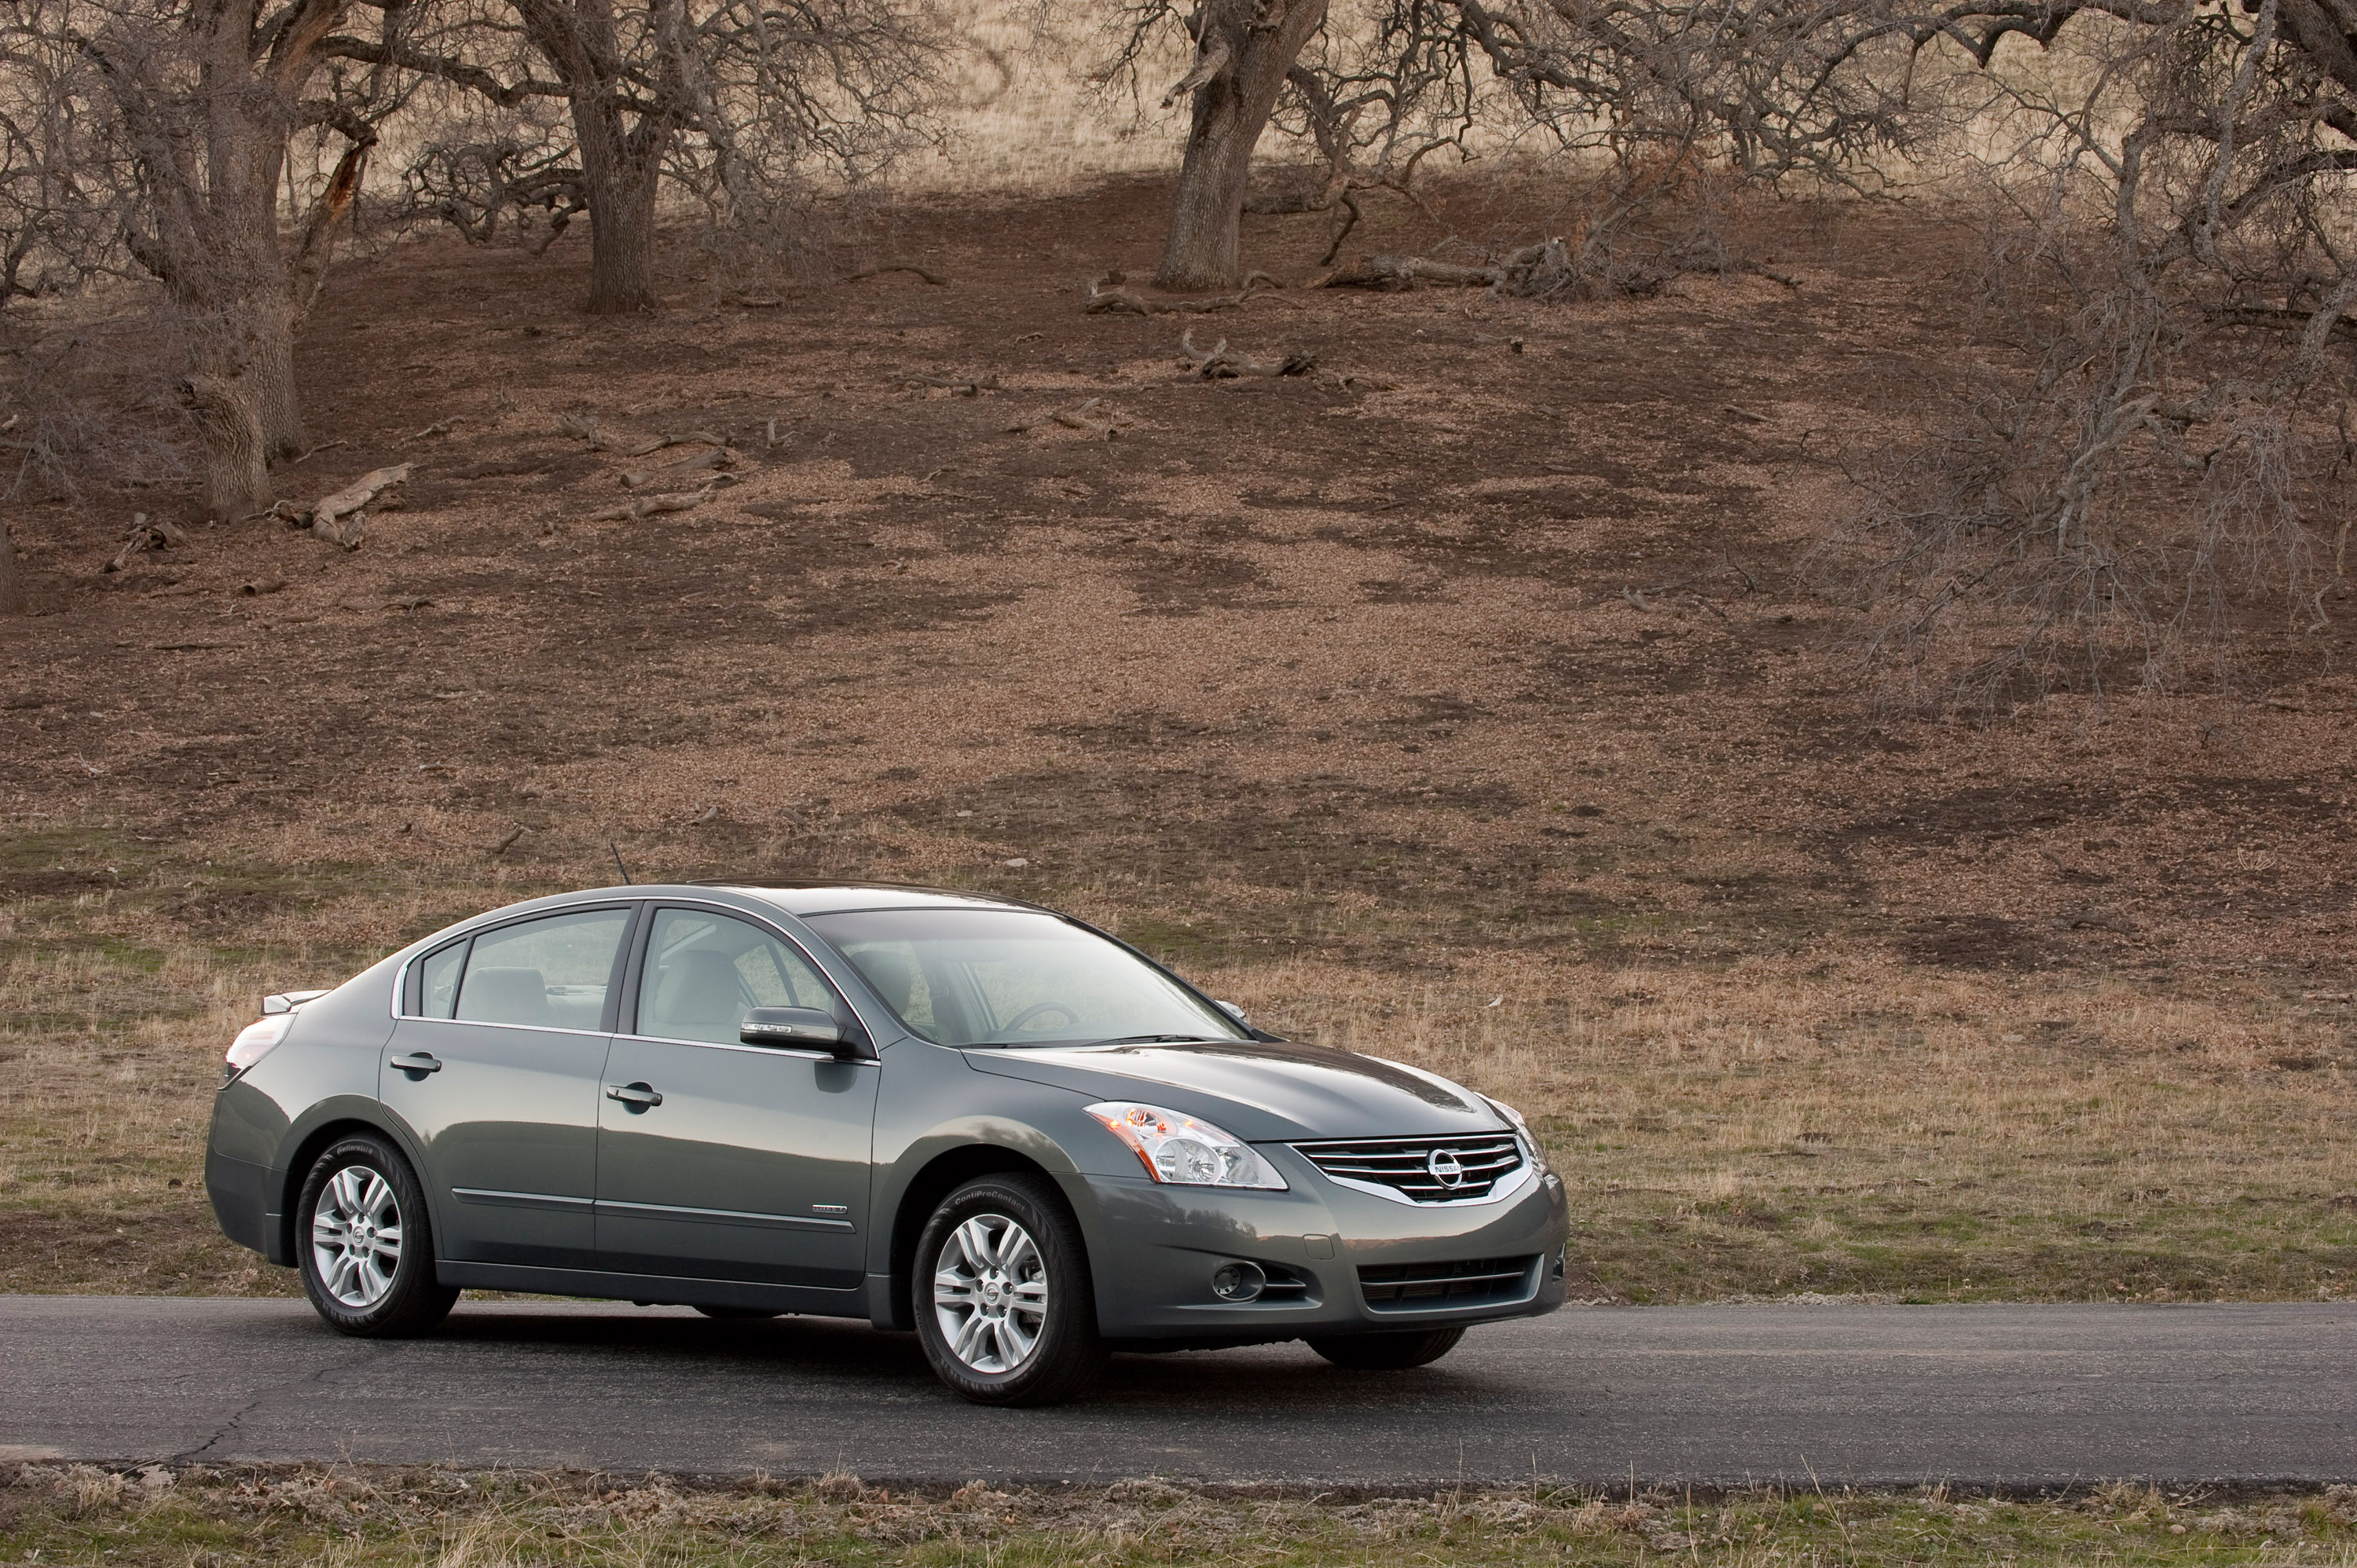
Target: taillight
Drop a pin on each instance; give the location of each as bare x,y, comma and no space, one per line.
254,1042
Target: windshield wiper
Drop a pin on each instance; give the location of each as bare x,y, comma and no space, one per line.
1117,1040
1159,1040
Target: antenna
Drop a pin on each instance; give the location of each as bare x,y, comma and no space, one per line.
618,864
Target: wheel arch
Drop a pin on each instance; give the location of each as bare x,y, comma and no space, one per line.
932,1181
306,1148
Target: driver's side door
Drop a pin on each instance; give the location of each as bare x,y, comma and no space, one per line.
720,1160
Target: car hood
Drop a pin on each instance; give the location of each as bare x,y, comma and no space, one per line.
1259,1090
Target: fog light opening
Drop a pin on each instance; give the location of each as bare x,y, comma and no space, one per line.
1237,1282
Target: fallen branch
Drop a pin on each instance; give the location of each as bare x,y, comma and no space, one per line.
1409,272
339,519
649,506
933,278
628,446
440,428
1220,363
1542,271
141,537
710,457
1107,297
1072,418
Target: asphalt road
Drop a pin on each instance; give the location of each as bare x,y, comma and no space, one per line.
2006,1396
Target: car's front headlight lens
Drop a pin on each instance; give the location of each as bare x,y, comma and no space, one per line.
254,1042
1183,1150
1531,1145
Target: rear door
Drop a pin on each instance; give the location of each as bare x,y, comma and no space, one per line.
753,1164
497,1069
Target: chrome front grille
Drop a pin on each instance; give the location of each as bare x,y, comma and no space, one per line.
1410,1287
1425,1170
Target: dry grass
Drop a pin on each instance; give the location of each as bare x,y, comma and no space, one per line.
1339,697
362,1514
1857,1128
1769,1128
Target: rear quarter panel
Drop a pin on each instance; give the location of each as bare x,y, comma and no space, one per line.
323,1073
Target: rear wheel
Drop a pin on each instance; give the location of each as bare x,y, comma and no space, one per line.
366,1242
1004,1306
1388,1352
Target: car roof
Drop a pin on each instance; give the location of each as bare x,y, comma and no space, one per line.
838,897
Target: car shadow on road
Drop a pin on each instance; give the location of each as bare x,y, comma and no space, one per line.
837,1356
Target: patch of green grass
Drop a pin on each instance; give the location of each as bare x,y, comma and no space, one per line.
368,1515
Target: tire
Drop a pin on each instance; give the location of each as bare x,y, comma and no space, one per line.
738,1314
1004,1306
1388,1352
361,1210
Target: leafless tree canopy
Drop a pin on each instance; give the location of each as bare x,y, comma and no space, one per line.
2161,443
734,102
2149,431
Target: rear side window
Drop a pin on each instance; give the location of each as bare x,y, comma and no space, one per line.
550,974
437,981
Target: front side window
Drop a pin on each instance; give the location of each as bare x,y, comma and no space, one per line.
992,977
706,971
551,973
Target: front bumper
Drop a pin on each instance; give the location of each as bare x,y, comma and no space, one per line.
1364,1265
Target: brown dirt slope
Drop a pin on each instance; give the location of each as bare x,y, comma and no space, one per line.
1487,671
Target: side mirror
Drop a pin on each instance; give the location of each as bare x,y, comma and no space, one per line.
798,1028
1233,1011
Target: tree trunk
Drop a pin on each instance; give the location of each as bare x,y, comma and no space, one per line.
12,587
271,369
620,179
228,410
1242,55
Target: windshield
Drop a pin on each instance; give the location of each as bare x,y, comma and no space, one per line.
1004,977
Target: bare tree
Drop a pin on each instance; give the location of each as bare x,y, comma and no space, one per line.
183,118
51,150
2162,430
1655,90
734,100
1244,50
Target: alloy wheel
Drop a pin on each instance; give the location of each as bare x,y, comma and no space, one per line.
990,1293
356,1236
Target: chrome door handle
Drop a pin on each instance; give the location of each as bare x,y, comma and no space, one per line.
637,1096
419,1064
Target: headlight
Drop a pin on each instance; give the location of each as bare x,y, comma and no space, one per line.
254,1042
1522,1131
1183,1151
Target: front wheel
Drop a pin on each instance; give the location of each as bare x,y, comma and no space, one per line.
367,1245
1004,1306
1388,1352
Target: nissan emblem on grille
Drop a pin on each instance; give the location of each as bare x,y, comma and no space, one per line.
1467,1169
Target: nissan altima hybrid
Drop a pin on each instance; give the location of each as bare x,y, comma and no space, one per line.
968,1116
